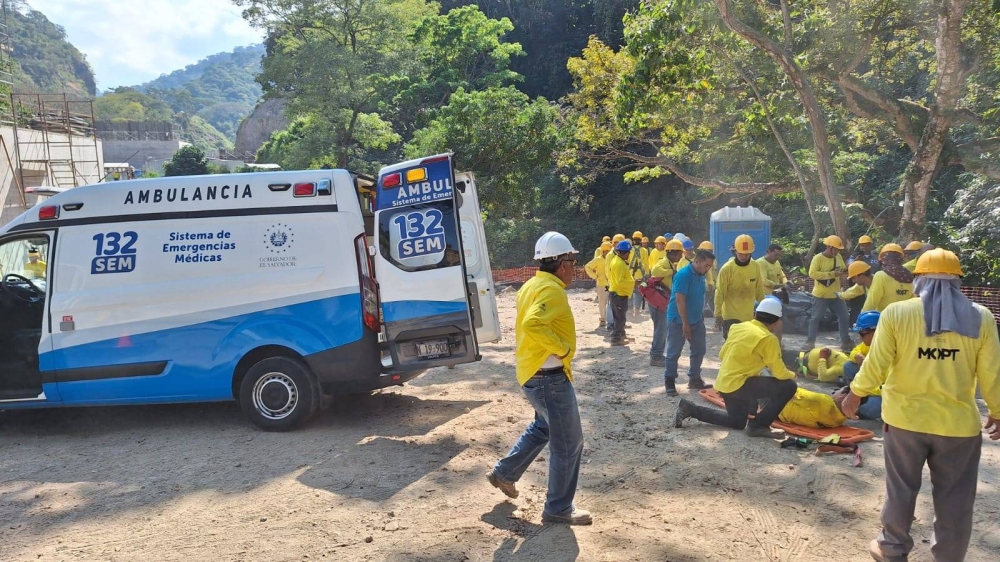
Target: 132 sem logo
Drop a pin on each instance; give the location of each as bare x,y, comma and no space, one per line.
115,252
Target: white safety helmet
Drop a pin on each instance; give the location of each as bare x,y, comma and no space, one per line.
552,245
770,305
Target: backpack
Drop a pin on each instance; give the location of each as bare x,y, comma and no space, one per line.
655,294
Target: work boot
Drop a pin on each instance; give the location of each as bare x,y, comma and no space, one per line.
875,549
657,361
765,431
671,387
697,383
846,346
685,410
576,517
504,486
618,343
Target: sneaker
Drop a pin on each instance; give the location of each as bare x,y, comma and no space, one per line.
576,517
671,388
698,384
875,550
685,410
764,432
657,361
504,486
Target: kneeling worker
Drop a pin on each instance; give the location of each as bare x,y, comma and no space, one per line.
750,348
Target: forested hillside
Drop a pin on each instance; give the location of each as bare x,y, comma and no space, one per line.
44,61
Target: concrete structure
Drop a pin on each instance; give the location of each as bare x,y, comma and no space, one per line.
147,155
35,173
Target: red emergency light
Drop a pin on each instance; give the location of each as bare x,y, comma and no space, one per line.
48,212
392,180
304,189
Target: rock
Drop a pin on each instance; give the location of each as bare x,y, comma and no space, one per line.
369,538
265,120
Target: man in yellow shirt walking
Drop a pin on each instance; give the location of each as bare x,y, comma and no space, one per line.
928,356
774,276
740,284
827,269
597,269
750,348
545,336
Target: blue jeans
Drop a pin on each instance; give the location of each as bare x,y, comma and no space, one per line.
851,370
871,409
675,345
659,331
637,300
819,308
557,423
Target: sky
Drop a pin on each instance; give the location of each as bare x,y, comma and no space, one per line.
128,42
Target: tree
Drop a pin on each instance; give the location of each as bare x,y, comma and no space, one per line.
188,161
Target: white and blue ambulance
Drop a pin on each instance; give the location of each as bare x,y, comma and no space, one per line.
273,289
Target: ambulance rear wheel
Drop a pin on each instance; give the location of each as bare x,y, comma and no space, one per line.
278,394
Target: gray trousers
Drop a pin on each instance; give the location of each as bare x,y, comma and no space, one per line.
954,466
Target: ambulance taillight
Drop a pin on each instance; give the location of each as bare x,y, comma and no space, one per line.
369,287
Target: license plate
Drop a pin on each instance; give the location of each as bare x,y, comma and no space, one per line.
433,348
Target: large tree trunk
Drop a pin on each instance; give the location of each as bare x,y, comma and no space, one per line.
926,162
807,97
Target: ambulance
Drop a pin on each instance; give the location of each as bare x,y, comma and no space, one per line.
273,289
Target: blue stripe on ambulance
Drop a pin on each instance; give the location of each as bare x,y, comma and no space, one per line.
405,310
201,357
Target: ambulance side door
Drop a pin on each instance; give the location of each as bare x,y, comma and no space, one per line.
479,276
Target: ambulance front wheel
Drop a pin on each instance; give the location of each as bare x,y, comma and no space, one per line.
278,394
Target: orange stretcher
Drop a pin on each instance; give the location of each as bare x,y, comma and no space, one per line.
847,434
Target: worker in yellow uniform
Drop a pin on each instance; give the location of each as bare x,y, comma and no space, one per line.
710,278
35,268
620,288
740,284
545,343
751,348
638,265
658,252
814,409
859,273
928,356
608,316
823,364
893,284
827,269
600,249
597,269
911,252
770,267
664,270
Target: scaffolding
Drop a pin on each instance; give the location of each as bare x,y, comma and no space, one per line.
55,137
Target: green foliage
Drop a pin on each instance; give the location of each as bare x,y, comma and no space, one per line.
188,161
126,104
501,135
45,61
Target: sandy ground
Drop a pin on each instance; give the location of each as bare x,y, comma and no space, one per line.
400,476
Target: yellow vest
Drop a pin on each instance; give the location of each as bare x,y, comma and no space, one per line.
620,281
640,263
929,382
774,276
749,348
822,269
544,326
812,409
884,291
737,289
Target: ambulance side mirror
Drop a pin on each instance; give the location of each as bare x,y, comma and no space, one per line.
461,186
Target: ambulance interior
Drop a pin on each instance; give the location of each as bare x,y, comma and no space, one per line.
23,265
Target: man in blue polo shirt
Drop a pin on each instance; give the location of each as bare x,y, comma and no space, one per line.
686,322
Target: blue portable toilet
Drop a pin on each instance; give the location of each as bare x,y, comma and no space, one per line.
729,222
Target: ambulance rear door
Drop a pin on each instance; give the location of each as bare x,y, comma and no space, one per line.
482,293
426,311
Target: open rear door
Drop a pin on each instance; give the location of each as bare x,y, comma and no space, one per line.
419,264
482,293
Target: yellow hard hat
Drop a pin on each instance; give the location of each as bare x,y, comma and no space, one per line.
660,240
914,246
834,241
891,247
857,267
744,244
606,245
637,234
645,238
706,245
674,245
865,240
606,239
618,238
938,260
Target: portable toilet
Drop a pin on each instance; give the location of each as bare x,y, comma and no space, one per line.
729,222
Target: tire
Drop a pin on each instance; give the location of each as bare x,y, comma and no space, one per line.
279,394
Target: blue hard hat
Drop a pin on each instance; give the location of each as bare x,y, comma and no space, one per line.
624,246
688,244
867,321
667,235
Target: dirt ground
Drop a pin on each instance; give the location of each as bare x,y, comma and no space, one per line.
400,476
